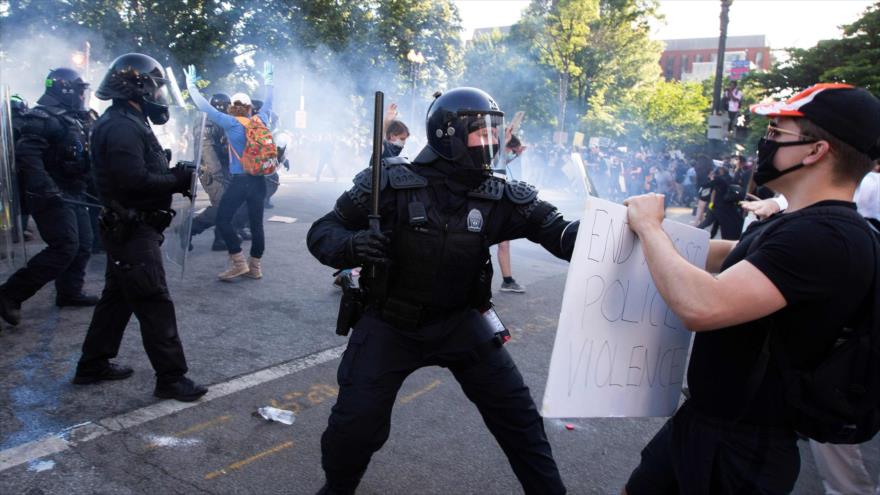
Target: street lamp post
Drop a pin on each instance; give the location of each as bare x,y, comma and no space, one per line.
415,58
722,46
715,117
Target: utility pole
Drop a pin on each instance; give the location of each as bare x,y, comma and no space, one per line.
716,120
719,66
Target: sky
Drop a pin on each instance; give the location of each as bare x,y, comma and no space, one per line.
786,23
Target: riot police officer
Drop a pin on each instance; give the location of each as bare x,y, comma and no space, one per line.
135,184
213,172
53,166
439,215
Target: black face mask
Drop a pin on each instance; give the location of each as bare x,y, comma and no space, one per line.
158,114
766,151
392,148
481,156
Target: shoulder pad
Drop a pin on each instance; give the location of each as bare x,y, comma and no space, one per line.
491,188
364,180
56,111
38,112
38,122
520,193
400,176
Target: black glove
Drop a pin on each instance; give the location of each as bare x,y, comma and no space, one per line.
184,180
366,246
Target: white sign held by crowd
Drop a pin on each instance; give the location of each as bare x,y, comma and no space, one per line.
619,350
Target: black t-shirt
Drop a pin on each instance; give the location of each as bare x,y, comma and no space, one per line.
823,266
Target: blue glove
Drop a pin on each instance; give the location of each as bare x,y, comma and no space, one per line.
191,76
268,73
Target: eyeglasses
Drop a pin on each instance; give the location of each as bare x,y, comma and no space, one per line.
774,132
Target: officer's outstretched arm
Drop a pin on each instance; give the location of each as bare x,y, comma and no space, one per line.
550,230
538,221
125,162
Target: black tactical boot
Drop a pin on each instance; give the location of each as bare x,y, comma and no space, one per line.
111,372
183,390
10,310
79,300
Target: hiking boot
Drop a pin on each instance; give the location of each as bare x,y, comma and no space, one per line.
80,300
254,268
10,310
237,266
183,390
512,287
111,372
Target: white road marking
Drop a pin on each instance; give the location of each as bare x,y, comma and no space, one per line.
58,442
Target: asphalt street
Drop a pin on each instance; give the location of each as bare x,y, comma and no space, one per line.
271,342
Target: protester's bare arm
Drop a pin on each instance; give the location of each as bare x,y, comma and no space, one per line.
761,208
739,294
718,251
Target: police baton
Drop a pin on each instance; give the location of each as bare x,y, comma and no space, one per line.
376,162
377,274
81,203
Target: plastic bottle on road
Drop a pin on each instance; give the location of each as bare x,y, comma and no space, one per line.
280,415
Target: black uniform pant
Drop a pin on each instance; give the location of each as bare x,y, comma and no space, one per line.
374,366
135,284
67,231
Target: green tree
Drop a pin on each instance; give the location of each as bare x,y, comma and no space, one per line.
174,32
559,30
504,68
666,115
429,27
619,59
853,59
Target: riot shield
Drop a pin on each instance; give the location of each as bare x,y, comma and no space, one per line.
12,249
186,132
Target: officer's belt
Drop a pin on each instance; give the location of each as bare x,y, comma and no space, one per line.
158,219
407,315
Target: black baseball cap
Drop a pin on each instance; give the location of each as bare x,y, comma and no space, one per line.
848,113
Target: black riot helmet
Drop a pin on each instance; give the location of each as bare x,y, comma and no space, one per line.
64,88
465,126
18,105
221,101
139,78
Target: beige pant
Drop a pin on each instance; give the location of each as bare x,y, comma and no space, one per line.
842,469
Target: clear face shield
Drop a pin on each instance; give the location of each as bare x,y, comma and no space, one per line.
486,139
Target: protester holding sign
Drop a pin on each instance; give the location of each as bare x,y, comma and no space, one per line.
780,302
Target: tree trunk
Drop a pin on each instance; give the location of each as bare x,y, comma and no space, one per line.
563,98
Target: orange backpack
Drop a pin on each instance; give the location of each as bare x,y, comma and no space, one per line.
260,155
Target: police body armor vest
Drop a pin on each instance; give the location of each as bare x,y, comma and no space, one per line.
437,258
67,159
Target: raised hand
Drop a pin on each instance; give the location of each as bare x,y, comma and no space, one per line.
191,75
268,73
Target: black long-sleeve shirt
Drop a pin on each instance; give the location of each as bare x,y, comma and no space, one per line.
129,164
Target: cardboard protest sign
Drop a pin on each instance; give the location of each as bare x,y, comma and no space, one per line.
619,349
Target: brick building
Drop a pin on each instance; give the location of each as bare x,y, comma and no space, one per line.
692,59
